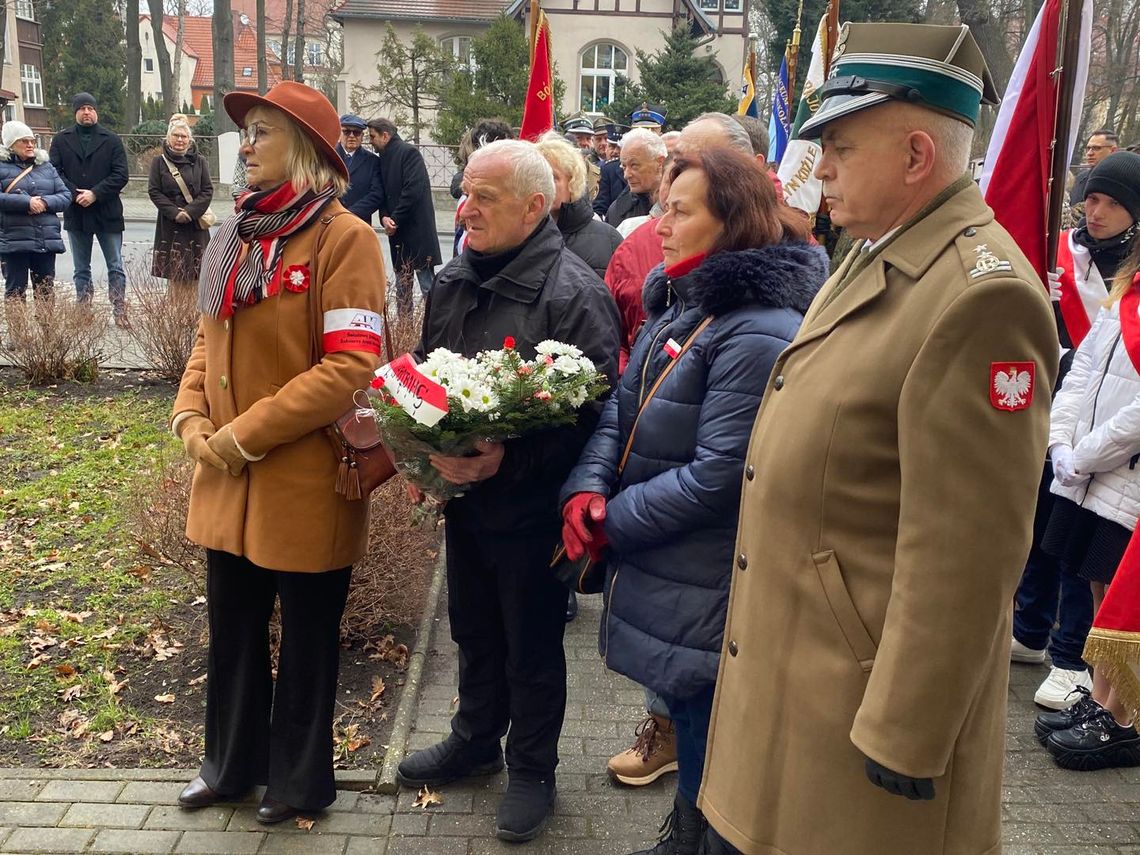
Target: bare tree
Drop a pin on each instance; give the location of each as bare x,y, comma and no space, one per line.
299,44
262,65
132,107
165,75
286,27
223,32
176,66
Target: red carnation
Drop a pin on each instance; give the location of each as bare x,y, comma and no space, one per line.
509,343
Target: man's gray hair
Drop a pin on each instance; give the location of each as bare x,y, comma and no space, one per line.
530,171
643,136
735,136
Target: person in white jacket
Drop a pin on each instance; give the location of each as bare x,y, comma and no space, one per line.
1094,445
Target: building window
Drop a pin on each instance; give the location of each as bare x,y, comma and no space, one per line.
275,46
314,53
601,67
732,5
247,71
710,5
148,65
32,86
25,9
9,113
459,47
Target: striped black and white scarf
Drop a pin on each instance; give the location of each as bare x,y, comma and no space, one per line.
228,281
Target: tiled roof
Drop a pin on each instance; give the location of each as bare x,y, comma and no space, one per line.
198,41
315,10
475,11
170,30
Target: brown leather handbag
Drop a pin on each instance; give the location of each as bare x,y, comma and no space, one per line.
364,463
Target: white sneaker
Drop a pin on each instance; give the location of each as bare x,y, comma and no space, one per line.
1057,692
1018,652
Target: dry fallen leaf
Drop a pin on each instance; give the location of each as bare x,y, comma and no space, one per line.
305,824
65,670
106,736
165,699
72,692
197,681
378,688
426,798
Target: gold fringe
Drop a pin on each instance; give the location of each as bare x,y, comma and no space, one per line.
1116,654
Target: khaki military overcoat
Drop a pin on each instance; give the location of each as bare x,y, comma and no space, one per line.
254,370
886,516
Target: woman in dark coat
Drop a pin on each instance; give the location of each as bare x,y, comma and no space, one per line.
591,240
179,240
30,204
737,277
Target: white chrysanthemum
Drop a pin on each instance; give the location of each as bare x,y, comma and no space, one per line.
549,347
567,364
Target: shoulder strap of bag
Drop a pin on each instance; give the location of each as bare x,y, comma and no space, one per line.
316,316
700,328
19,178
178,179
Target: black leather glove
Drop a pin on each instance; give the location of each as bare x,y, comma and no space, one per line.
915,789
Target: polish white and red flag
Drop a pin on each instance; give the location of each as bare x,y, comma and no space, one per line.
1018,164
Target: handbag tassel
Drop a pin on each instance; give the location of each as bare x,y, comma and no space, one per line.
348,478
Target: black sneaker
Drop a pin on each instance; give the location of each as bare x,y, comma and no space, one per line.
1053,721
524,809
1098,743
682,832
571,607
447,761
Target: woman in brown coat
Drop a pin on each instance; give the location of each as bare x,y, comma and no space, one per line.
291,309
179,240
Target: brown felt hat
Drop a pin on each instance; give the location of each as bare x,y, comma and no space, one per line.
312,112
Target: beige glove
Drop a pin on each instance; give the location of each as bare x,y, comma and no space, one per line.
225,447
195,431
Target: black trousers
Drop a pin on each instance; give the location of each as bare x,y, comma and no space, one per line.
17,266
714,844
508,615
257,733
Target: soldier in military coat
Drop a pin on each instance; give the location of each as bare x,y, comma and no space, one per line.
889,489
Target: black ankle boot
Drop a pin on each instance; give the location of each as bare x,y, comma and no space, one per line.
682,830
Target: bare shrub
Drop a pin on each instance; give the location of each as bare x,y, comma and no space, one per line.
165,321
406,329
55,339
388,585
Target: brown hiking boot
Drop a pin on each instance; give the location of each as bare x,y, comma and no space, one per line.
653,754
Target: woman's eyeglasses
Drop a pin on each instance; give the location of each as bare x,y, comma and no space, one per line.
254,132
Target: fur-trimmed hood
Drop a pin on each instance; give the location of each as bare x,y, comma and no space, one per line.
783,275
6,155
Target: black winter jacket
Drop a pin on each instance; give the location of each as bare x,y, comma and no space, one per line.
407,200
671,518
591,240
365,194
629,205
21,230
102,170
546,292
611,184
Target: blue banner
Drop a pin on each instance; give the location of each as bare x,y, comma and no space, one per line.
780,123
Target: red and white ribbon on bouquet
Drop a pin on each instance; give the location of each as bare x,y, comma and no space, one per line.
421,397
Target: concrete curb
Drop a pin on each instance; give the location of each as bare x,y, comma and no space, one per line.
405,712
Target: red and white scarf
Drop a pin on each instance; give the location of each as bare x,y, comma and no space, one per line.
263,221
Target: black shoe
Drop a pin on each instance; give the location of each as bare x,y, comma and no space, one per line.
448,760
271,811
571,607
524,809
1098,743
1051,722
197,794
681,832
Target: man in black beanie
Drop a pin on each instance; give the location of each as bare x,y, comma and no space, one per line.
92,162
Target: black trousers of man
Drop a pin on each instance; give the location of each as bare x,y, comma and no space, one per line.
257,733
714,844
507,614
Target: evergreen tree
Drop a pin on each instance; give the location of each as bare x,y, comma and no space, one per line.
496,86
86,38
677,76
408,81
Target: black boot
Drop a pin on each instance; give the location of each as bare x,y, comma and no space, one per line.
447,761
571,607
681,832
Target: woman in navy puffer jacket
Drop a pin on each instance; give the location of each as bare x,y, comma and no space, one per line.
737,256
30,237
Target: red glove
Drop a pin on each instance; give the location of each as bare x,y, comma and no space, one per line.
582,519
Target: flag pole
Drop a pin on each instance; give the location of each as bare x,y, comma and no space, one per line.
832,35
752,39
533,28
1064,75
792,52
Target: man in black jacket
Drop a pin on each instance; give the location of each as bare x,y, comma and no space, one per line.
611,182
92,162
365,194
643,163
408,215
515,278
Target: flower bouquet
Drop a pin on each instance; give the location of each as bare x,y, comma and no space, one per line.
449,402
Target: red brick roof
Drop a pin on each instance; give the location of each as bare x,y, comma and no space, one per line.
475,11
198,41
275,13
170,30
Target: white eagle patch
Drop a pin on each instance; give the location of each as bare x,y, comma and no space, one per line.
1011,385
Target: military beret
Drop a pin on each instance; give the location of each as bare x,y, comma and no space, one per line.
937,67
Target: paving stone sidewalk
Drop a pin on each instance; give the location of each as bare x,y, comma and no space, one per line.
1046,811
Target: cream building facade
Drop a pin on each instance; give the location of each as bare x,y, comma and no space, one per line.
595,42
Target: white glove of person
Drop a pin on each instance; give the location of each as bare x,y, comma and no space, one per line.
1055,284
1063,471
